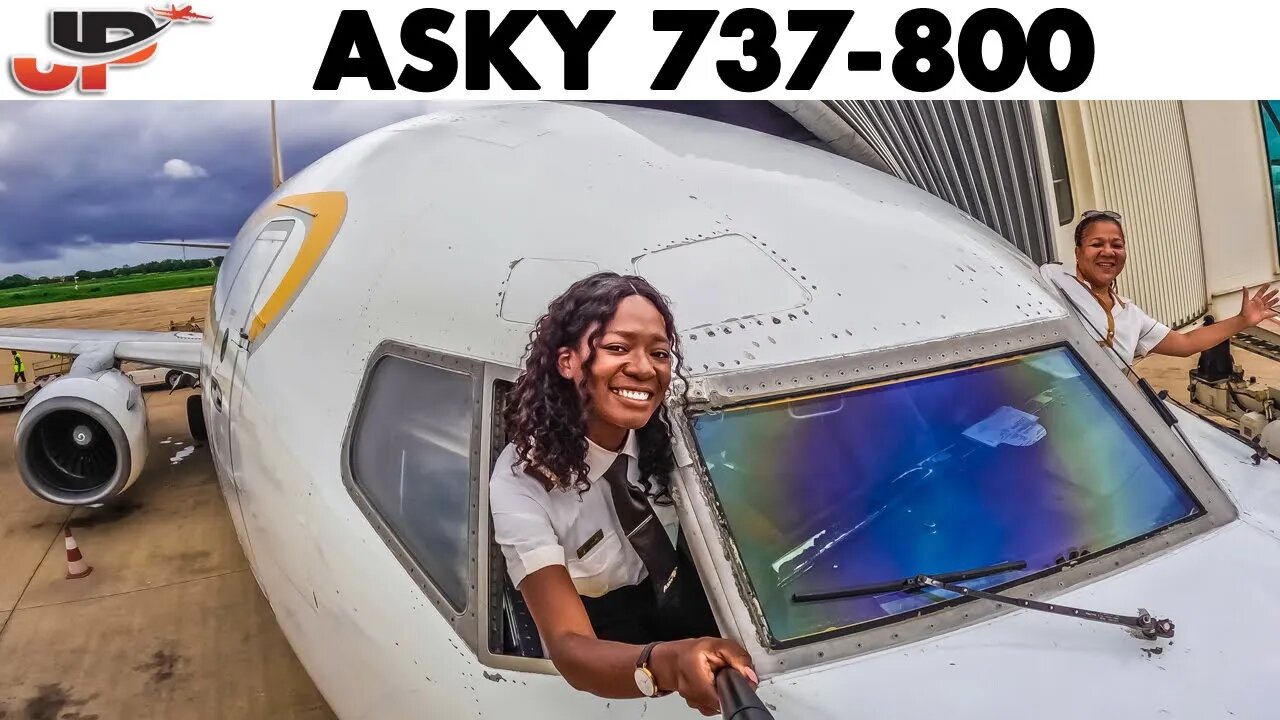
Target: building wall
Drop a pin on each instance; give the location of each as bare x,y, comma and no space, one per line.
1134,158
1233,187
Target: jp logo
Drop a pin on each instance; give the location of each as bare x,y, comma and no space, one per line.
112,37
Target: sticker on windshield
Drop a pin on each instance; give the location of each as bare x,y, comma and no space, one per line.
1057,365
1008,426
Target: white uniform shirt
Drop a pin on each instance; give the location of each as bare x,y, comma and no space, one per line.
1136,332
537,528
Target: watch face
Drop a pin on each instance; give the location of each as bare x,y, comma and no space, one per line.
644,681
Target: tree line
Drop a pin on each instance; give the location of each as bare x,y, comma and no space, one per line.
155,266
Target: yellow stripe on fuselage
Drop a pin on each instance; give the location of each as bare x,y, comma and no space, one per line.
327,211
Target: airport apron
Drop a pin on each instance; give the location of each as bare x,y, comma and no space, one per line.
670,604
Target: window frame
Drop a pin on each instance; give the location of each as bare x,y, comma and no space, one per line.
244,242
717,559
464,622
1055,142
869,624
1270,115
489,611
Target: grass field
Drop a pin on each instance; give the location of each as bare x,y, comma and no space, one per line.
107,287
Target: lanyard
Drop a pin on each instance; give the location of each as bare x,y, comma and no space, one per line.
1111,321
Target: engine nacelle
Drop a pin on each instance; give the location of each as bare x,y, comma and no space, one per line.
83,438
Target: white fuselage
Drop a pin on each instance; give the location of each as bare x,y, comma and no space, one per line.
452,233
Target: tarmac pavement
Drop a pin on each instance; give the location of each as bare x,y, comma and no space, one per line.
170,623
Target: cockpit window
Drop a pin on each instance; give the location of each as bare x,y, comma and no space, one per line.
1019,459
411,460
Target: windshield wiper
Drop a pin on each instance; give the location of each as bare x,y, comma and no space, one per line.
1142,625
908,583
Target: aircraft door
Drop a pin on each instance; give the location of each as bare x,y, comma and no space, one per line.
233,322
274,507
227,348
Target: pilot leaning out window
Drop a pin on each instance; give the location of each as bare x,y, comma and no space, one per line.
582,506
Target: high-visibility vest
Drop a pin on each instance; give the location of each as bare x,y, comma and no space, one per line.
17,364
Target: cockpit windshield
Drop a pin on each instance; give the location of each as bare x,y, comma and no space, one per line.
1025,458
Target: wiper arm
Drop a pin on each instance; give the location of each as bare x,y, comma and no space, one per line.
1142,625
908,583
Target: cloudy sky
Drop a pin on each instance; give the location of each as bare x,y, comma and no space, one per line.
81,182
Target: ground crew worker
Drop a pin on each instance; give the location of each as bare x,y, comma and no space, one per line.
19,370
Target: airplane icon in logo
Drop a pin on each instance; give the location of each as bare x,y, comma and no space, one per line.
183,14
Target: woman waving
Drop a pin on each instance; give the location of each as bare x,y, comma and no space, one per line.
1117,321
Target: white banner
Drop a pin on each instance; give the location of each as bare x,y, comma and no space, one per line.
322,49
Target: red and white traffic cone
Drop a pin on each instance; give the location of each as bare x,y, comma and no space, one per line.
76,566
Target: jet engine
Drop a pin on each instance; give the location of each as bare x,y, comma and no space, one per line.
83,438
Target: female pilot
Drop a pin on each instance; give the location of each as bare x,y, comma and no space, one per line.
1116,321
582,506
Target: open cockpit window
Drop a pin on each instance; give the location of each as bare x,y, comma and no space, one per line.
1018,459
512,631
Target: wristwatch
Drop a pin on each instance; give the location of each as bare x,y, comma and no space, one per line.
645,679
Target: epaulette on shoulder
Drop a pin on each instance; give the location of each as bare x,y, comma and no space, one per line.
541,474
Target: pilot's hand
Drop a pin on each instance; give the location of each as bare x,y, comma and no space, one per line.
689,667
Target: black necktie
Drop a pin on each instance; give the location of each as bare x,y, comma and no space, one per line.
643,529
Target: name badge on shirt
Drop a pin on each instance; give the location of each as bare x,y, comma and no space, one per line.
590,543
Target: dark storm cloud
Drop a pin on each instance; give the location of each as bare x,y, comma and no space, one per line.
102,173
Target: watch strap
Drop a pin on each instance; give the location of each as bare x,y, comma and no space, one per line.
643,660
643,663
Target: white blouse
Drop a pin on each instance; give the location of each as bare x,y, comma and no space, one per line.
1133,332
537,528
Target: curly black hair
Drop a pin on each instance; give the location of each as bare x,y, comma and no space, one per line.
546,415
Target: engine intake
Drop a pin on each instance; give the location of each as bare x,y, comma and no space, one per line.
82,440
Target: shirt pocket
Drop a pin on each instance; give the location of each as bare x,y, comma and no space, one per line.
592,572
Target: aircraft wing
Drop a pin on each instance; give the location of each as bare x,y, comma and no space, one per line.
212,245
179,350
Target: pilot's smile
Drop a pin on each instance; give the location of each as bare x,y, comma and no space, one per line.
630,371
638,396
